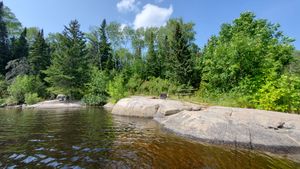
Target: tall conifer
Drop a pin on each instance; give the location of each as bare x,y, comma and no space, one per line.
69,69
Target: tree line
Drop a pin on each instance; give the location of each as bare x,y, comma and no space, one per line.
250,61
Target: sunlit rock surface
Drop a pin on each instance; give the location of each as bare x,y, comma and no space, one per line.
250,128
149,107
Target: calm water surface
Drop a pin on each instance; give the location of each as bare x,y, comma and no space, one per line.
93,138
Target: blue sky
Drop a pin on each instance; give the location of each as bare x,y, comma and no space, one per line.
208,15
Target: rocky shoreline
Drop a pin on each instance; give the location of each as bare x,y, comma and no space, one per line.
245,128
50,104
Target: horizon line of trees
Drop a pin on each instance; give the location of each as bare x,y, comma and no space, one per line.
250,60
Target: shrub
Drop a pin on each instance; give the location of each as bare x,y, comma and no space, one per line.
11,101
93,99
116,88
96,88
23,85
3,87
31,98
282,94
134,83
155,86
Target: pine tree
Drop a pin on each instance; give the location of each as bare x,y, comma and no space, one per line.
39,55
105,60
180,56
153,66
68,71
20,47
18,64
4,45
163,53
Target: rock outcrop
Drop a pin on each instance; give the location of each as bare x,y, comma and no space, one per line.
149,107
249,128
56,104
109,106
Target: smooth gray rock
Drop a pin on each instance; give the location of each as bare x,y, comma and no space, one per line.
55,104
109,106
149,107
249,128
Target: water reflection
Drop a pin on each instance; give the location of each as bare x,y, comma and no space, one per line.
92,138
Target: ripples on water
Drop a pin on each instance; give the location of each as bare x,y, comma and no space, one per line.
92,138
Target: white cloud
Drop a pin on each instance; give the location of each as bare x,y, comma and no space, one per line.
123,25
152,16
127,6
159,1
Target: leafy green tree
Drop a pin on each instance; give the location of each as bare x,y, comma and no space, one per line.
23,85
68,71
96,93
4,43
116,35
39,55
281,94
244,54
117,88
32,98
294,66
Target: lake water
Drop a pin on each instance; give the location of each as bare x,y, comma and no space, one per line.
93,138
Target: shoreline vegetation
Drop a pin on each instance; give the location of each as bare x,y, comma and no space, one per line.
250,63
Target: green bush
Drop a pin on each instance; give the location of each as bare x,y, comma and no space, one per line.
96,88
93,99
3,87
11,101
31,98
117,89
134,83
282,94
156,86
23,85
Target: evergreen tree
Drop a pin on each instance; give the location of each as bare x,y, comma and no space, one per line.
18,65
4,45
39,56
163,53
137,42
106,60
180,56
14,26
153,67
20,47
68,71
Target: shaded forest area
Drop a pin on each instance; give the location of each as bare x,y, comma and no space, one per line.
250,63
